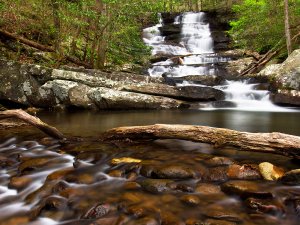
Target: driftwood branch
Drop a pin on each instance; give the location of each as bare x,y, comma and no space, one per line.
257,66
44,48
22,115
276,143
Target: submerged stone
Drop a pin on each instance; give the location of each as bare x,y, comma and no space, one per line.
156,185
207,189
265,206
97,211
270,172
245,189
173,172
291,178
244,172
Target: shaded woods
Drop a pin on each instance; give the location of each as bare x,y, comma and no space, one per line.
98,33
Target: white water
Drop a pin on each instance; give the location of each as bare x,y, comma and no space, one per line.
197,44
196,35
248,98
195,39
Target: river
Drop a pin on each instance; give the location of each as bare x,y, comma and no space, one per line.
159,182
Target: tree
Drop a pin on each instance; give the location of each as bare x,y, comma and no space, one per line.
287,26
260,23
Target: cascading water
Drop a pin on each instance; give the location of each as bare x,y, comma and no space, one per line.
193,54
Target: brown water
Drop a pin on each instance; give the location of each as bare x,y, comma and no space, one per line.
92,123
175,182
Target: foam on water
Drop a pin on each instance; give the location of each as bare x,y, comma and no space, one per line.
195,54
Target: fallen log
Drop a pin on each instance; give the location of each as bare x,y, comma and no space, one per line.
276,143
41,47
36,122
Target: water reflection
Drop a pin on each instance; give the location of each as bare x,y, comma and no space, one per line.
92,123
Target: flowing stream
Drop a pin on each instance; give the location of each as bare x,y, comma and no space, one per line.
156,182
195,49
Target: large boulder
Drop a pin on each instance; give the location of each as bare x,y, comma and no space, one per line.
33,85
191,93
106,98
288,75
285,79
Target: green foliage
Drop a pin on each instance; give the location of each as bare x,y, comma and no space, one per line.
260,23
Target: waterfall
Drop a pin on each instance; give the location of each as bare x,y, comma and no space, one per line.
192,53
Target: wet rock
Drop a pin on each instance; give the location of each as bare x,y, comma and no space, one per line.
221,213
288,97
259,218
105,221
193,221
265,206
291,178
19,220
106,98
132,186
168,198
245,189
219,161
116,161
132,176
220,37
19,182
190,200
168,218
173,172
53,204
207,189
116,173
217,222
33,164
209,80
60,186
132,197
192,93
170,29
6,162
59,174
80,177
217,174
156,185
223,104
294,203
245,172
182,187
136,211
144,221
97,211
270,172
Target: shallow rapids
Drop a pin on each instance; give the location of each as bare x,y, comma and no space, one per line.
159,182
156,182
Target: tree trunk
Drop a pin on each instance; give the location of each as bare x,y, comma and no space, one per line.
287,27
22,115
276,143
57,24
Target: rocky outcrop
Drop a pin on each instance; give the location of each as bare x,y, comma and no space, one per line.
195,93
33,85
285,80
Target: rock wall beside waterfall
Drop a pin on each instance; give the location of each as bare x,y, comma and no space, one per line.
33,85
285,79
